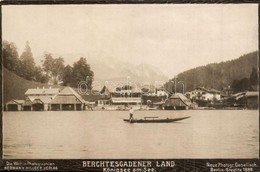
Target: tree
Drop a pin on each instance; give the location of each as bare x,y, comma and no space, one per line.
27,64
67,75
82,72
39,76
253,77
10,56
48,63
53,67
57,69
241,85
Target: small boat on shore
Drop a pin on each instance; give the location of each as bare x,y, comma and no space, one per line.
155,120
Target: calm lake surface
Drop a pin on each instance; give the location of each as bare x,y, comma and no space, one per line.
103,134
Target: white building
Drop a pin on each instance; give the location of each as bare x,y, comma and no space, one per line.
204,94
39,98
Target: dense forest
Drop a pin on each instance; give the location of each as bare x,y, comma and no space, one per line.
239,74
52,71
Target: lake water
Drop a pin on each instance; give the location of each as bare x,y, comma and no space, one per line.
103,134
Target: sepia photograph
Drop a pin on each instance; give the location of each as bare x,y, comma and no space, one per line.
130,81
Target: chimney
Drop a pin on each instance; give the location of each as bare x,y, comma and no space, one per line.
49,87
42,87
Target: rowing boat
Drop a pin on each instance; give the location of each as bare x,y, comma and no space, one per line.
155,120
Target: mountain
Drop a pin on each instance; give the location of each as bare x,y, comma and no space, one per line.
113,69
219,75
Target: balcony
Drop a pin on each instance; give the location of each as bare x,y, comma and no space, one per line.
126,99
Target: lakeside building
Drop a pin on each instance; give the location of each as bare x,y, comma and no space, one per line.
161,92
27,105
151,90
14,105
121,97
125,95
38,99
177,102
242,100
153,97
43,99
151,100
227,91
68,100
252,99
148,90
203,96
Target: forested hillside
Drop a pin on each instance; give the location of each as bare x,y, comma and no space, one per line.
219,75
14,86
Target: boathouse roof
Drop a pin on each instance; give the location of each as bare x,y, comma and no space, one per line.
44,99
14,101
67,96
66,99
42,91
181,97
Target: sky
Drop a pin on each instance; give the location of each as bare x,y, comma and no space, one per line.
172,37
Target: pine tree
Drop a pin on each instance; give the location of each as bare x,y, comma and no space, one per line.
27,64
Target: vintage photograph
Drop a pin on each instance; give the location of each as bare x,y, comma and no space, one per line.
130,81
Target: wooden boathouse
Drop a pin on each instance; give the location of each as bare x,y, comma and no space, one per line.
38,99
14,105
67,100
177,102
44,99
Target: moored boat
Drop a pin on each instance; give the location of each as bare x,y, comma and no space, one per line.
155,120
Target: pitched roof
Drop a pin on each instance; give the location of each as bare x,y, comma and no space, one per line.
67,91
202,88
67,96
208,90
19,101
44,99
65,99
73,92
238,94
214,91
36,101
42,91
180,96
15,102
28,102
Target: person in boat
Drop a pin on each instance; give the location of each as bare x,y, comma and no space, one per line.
131,114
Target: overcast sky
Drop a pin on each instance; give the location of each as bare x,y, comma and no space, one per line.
171,37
